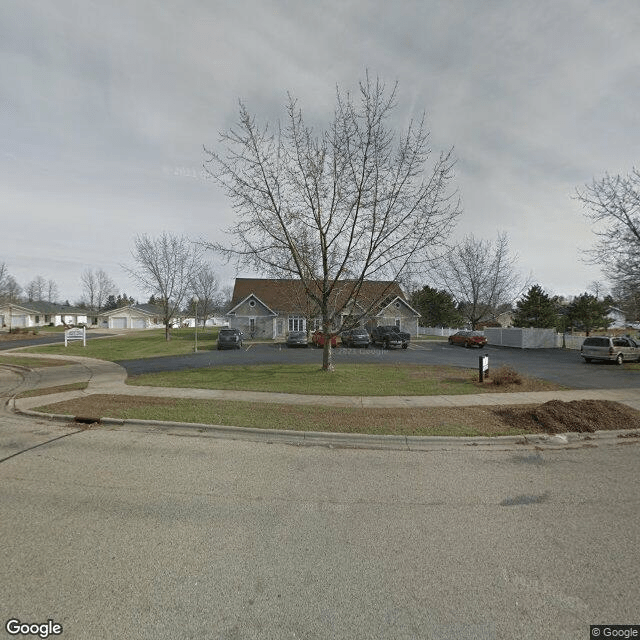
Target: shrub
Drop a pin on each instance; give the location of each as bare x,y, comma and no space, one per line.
504,376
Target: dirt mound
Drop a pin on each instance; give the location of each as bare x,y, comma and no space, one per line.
577,415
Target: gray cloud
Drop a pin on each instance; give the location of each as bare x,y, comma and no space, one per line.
108,105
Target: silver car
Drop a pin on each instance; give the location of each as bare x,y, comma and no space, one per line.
610,349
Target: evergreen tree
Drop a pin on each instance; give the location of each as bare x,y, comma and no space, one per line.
586,312
535,309
436,308
111,303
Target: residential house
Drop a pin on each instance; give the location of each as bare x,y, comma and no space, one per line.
270,308
617,317
40,314
135,316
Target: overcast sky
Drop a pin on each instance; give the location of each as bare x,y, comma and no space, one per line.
105,107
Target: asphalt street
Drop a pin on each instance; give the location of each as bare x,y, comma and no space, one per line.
564,367
51,338
144,533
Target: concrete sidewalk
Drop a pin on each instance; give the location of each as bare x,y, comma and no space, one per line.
109,378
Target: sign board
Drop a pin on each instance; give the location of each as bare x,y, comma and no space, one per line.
76,334
483,367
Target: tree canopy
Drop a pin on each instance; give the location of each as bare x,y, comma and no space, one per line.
613,204
481,276
437,308
357,201
535,309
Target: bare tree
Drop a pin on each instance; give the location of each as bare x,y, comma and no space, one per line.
613,203
52,291
36,289
10,290
204,287
353,203
96,288
166,266
481,276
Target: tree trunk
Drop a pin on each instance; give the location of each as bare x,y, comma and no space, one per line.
327,355
167,332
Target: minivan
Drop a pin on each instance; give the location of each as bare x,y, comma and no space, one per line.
610,349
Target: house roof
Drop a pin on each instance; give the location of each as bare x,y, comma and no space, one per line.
287,295
143,309
46,308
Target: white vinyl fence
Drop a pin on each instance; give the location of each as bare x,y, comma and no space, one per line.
437,331
531,338
515,337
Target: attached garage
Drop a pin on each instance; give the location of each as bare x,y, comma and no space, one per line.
138,316
18,321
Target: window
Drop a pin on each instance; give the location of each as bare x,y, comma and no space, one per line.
398,322
252,303
252,325
296,323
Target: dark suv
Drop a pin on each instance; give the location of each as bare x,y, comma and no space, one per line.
230,339
390,336
355,338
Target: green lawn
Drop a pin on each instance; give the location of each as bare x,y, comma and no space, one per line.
34,363
45,391
434,421
141,344
346,380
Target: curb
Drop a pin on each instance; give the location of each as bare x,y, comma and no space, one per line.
354,440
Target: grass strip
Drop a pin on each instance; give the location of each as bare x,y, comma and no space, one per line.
34,363
436,421
143,344
347,380
74,386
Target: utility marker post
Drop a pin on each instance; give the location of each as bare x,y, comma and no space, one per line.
483,367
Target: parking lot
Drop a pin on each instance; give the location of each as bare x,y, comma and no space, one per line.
562,366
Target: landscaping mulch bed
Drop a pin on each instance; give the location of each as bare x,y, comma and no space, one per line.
581,416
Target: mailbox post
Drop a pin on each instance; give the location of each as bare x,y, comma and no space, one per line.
483,367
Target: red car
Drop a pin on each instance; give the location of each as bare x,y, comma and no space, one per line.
468,339
318,339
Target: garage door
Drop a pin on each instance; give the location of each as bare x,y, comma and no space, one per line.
18,321
119,323
138,323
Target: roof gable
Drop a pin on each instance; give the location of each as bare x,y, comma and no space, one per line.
288,295
397,300
248,299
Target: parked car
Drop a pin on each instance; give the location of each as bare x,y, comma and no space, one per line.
610,349
355,338
468,339
390,336
318,339
297,339
230,339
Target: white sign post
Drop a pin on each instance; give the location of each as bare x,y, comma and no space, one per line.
79,333
483,367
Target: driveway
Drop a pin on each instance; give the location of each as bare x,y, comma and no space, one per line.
557,365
